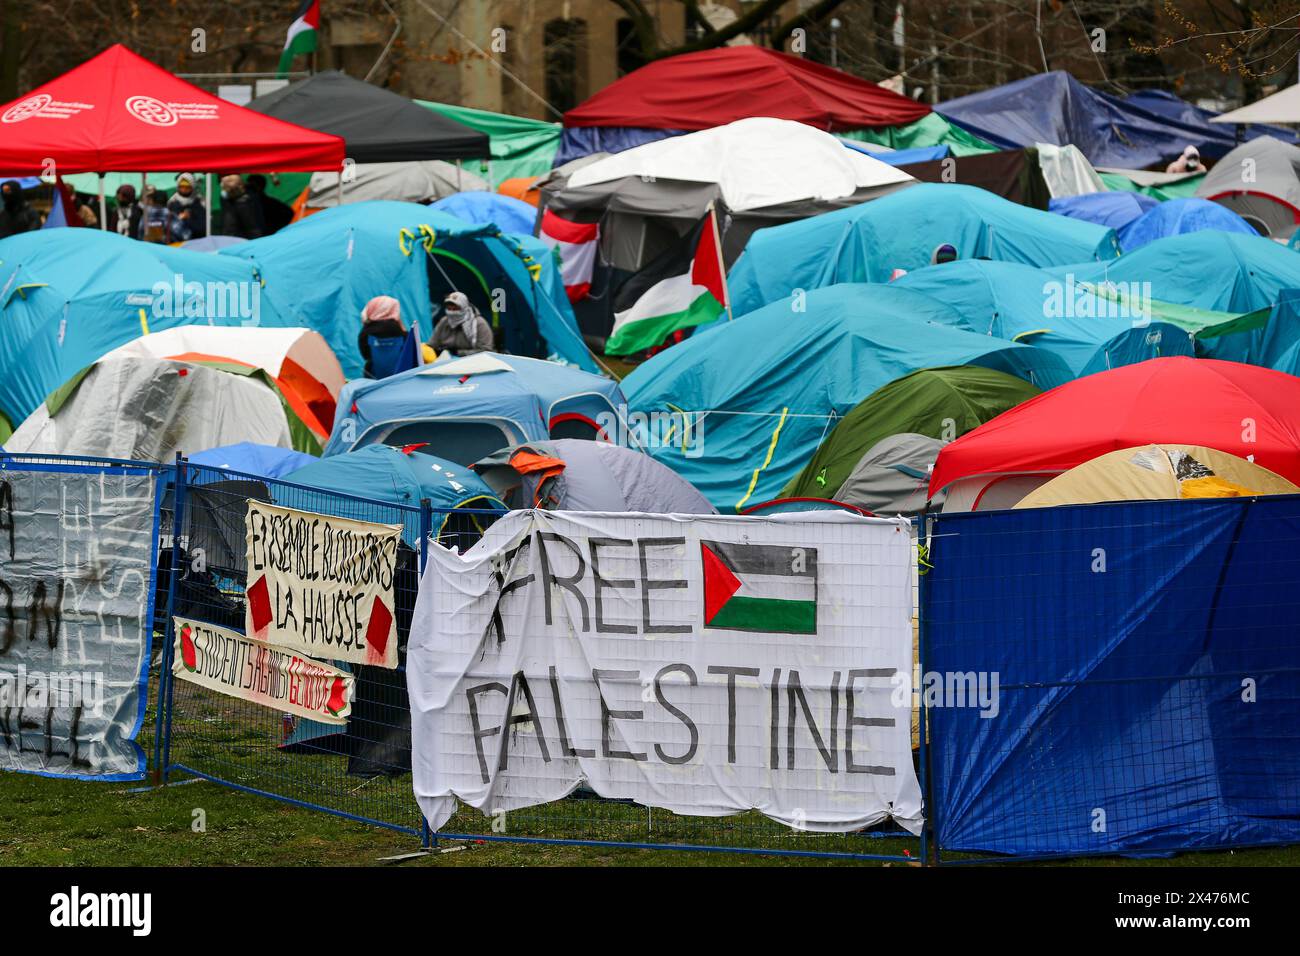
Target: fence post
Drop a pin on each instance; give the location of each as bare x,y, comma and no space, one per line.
165,682
427,838
929,830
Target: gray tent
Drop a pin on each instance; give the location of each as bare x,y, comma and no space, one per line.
893,476
1259,181
570,474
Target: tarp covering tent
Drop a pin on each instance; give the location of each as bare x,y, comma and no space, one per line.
930,130
868,242
1159,186
708,88
149,409
71,296
575,475
1220,139
119,112
1056,108
466,408
331,264
892,475
303,366
942,403
418,182
1114,210
760,420
378,125
1259,181
250,458
1013,174
1179,216
1158,471
1090,332
1066,172
510,215
519,146
1178,400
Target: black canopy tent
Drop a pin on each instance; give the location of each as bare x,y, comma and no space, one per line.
379,126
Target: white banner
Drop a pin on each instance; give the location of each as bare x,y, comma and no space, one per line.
76,579
705,665
322,585
226,661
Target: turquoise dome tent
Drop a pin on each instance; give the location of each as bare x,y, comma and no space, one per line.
332,263
751,425
867,242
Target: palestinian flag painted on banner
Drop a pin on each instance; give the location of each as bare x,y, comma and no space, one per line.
683,288
759,587
301,38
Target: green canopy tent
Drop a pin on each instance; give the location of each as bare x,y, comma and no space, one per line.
931,130
942,403
519,146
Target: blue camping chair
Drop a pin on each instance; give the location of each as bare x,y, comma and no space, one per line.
386,355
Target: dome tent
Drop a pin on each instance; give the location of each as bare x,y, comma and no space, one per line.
1177,217
505,212
891,477
250,458
1269,198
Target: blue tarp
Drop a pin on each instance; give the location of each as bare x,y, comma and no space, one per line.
1056,108
759,420
899,157
1177,217
70,296
1220,138
526,397
1114,210
332,263
1123,723
481,208
865,243
250,458
579,141
1020,303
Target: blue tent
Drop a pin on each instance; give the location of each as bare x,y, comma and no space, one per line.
465,409
481,208
70,296
332,263
250,458
384,473
1176,217
899,157
1114,210
1220,138
755,423
1022,304
865,243
1056,108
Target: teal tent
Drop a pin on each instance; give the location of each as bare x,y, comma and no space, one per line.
332,263
867,242
1090,332
739,430
70,296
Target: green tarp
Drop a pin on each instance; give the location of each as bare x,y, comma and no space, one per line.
932,130
1179,190
520,146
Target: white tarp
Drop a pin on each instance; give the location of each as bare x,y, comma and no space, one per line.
76,579
706,665
755,162
1067,171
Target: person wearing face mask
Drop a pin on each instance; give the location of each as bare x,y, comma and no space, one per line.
239,212
16,215
125,218
462,330
189,217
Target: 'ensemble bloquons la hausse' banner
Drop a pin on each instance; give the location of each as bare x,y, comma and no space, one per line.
705,665
322,585
226,661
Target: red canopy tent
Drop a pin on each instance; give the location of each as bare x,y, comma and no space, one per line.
710,88
1245,410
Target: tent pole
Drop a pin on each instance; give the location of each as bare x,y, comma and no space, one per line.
103,211
207,206
338,200
459,186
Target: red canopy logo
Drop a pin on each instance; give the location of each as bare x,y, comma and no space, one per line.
151,111
26,109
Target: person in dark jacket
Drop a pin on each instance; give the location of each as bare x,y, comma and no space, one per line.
189,216
275,214
240,215
124,219
16,215
462,330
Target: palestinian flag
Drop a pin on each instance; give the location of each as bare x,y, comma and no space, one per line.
683,288
768,588
301,38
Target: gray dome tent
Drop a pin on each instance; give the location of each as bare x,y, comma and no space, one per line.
893,477
1259,181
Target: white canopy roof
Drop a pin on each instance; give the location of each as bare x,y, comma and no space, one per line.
1282,107
756,162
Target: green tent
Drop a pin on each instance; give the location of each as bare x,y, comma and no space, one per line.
936,402
520,147
931,130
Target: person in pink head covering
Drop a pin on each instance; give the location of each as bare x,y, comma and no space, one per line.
380,319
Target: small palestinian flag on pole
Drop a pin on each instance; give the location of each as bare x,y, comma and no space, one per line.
683,288
301,38
759,587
